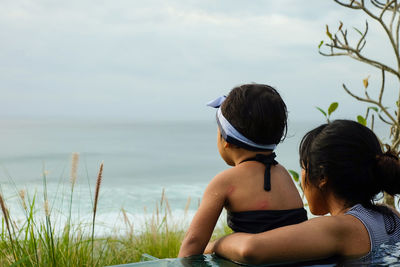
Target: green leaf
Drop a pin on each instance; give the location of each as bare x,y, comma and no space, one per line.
294,174
362,120
374,108
357,30
320,44
332,107
322,111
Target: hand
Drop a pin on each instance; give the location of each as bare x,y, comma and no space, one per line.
210,247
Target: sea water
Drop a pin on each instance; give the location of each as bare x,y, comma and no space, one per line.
141,161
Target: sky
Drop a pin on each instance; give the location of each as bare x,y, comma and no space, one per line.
164,59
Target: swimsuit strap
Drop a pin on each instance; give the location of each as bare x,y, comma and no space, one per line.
267,161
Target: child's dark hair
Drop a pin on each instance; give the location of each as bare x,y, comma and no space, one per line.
258,112
349,155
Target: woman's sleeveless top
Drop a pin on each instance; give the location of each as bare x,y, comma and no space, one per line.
257,221
382,228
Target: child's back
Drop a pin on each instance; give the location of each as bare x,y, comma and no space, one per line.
251,208
257,192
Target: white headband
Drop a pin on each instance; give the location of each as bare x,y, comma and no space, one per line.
230,134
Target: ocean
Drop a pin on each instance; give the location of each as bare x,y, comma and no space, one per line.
141,160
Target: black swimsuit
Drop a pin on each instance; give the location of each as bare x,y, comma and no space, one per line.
258,221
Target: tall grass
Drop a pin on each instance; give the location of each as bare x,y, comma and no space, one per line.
42,240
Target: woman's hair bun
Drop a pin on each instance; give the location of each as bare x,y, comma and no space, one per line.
388,168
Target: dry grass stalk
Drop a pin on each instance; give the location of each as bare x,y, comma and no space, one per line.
187,205
22,194
96,198
127,221
15,225
7,220
162,197
153,229
167,205
74,168
98,184
157,214
46,208
5,212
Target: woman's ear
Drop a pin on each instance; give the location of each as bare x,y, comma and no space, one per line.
322,182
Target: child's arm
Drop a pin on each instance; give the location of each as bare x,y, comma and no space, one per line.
203,223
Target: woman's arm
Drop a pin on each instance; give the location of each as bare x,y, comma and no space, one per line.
314,239
203,223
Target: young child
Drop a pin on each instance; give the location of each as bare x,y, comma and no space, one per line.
258,193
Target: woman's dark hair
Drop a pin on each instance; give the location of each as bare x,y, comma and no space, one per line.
350,156
258,112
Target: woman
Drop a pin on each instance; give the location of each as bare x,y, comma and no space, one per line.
344,168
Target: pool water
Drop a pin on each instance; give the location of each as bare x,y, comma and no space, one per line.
387,255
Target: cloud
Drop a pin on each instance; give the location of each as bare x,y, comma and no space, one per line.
130,56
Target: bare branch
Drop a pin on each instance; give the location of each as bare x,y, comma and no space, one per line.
394,9
367,95
336,41
357,6
368,100
374,63
362,46
333,54
354,53
372,122
382,87
385,8
387,30
384,120
396,144
344,34
363,36
377,4
397,32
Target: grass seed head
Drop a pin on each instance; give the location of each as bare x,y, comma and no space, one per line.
74,167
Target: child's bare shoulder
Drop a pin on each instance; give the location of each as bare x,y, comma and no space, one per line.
225,176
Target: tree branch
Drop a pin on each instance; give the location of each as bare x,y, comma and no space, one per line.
396,144
362,37
374,63
383,119
368,100
394,10
386,7
355,53
388,31
397,32
377,4
349,5
382,87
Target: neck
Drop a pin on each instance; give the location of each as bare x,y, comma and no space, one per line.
241,154
336,206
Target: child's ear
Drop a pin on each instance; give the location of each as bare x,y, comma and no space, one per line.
227,145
